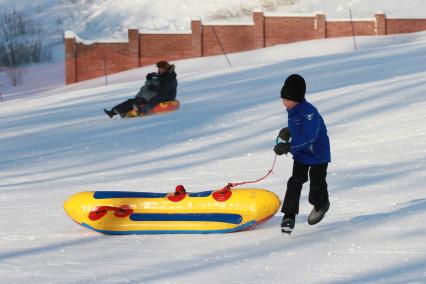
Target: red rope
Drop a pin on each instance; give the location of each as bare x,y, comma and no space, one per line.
234,184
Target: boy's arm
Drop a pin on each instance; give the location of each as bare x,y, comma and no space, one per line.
139,94
308,132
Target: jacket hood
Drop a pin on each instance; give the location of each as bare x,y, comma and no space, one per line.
171,69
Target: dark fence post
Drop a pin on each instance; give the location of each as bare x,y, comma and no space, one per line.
353,30
221,45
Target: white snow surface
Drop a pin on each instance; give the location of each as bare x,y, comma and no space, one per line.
109,19
97,19
58,142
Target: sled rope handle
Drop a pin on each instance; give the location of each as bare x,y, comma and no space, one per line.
234,184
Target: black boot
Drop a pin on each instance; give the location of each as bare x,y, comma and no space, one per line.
141,110
287,224
110,113
317,214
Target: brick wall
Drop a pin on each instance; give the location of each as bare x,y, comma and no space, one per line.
233,38
154,47
344,28
85,61
279,30
99,59
399,26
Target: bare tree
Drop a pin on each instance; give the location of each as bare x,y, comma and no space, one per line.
15,75
20,44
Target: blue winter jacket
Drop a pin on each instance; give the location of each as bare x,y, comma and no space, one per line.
309,140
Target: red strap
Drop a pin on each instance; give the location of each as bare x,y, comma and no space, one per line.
234,184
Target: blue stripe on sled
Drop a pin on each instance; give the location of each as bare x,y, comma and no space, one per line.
200,194
236,229
194,217
124,194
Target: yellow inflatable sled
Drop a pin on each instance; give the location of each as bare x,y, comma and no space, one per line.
220,211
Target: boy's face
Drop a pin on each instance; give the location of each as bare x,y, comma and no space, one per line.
289,104
161,70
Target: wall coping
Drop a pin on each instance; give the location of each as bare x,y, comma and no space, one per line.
349,19
142,31
298,15
91,42
69,34
229,23
399,18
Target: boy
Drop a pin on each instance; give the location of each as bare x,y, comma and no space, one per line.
307,140
150,89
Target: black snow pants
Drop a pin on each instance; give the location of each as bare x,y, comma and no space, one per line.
318,193
125,107
128,105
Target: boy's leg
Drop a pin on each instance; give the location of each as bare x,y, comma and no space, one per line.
318,193
124,107
294,188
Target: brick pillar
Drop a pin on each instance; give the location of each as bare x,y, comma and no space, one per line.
197,33
380,23
320,25
133,34
259,29
70,58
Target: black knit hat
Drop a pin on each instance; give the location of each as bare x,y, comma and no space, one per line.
294,88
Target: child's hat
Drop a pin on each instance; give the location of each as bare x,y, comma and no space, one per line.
294,88
163,64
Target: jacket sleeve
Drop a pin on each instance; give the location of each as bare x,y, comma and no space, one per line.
167,88
139,94
306,132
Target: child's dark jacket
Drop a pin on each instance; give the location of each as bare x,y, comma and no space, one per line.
310,144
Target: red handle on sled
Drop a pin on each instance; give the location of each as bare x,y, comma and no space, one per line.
120,212
234,184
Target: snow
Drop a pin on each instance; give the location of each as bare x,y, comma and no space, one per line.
361,8
69,34
108,21
57,142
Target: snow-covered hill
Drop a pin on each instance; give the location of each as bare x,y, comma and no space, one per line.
56,143
96,19
110,19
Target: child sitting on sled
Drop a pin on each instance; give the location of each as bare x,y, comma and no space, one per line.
159,87
150,89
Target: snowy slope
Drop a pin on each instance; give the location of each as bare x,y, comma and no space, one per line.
361,8
97,19
373,101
